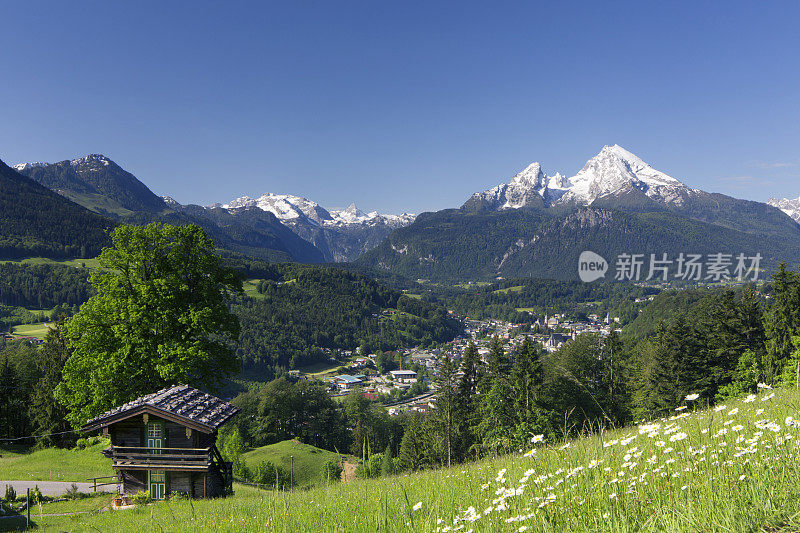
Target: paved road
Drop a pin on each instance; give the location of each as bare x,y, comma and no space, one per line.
51,488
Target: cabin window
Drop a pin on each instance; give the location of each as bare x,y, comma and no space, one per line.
155,437
158,484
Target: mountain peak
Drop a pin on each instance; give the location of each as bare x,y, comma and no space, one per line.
91,160
531,176
613,171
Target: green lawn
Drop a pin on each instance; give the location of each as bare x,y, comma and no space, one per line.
516,288
308,460
54,464
92,264
320,370
733,468
251,289
31,330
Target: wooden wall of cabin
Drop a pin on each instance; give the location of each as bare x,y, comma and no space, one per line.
133,481
181,482
213,484
131,432
176,436
128,432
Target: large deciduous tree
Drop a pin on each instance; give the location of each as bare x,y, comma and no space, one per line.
159,318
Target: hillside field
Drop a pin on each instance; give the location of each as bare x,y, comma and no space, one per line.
54,464
308,460
730,468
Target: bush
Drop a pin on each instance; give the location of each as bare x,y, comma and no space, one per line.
141,498
11,494
72,492
332,470
240,469
80,444
270,474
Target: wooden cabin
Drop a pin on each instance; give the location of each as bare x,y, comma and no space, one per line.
165,443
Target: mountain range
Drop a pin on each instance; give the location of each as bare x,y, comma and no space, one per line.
340,235
536,224
277,227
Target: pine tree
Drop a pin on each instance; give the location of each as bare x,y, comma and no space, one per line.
782,321
444,412
527,376
412,446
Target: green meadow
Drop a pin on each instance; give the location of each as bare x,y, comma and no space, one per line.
729,468
308,460
54,464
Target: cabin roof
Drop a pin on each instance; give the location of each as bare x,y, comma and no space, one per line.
179,403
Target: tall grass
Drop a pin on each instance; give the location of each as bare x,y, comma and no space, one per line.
731,468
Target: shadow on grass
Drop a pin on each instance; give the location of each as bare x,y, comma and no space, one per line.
14,523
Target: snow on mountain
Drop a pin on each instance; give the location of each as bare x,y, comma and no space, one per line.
613,171
790,206
25,166
296,209
89,163
170,201
287,207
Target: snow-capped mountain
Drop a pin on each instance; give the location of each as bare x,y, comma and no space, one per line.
614,171
287,207
790,206
296,209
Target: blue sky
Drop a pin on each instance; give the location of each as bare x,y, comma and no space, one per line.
402,106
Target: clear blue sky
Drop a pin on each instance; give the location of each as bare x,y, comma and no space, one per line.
402,106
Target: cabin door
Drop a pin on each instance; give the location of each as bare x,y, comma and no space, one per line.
155,437
158,484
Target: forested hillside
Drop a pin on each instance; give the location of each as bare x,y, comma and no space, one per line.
517,300
452,245
301,310
35,221
43,286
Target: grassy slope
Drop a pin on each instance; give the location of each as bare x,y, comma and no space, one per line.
31,330
55,464
93,263
308,460
623,480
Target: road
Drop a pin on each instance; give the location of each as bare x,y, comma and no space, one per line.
51,488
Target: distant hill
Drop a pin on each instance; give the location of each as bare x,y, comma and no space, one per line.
297,314
35,221
97,183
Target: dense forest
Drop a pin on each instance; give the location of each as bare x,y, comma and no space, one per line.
302,310
525,300
43,286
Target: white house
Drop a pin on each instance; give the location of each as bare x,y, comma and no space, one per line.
403,376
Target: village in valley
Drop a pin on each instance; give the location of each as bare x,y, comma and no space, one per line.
414,378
